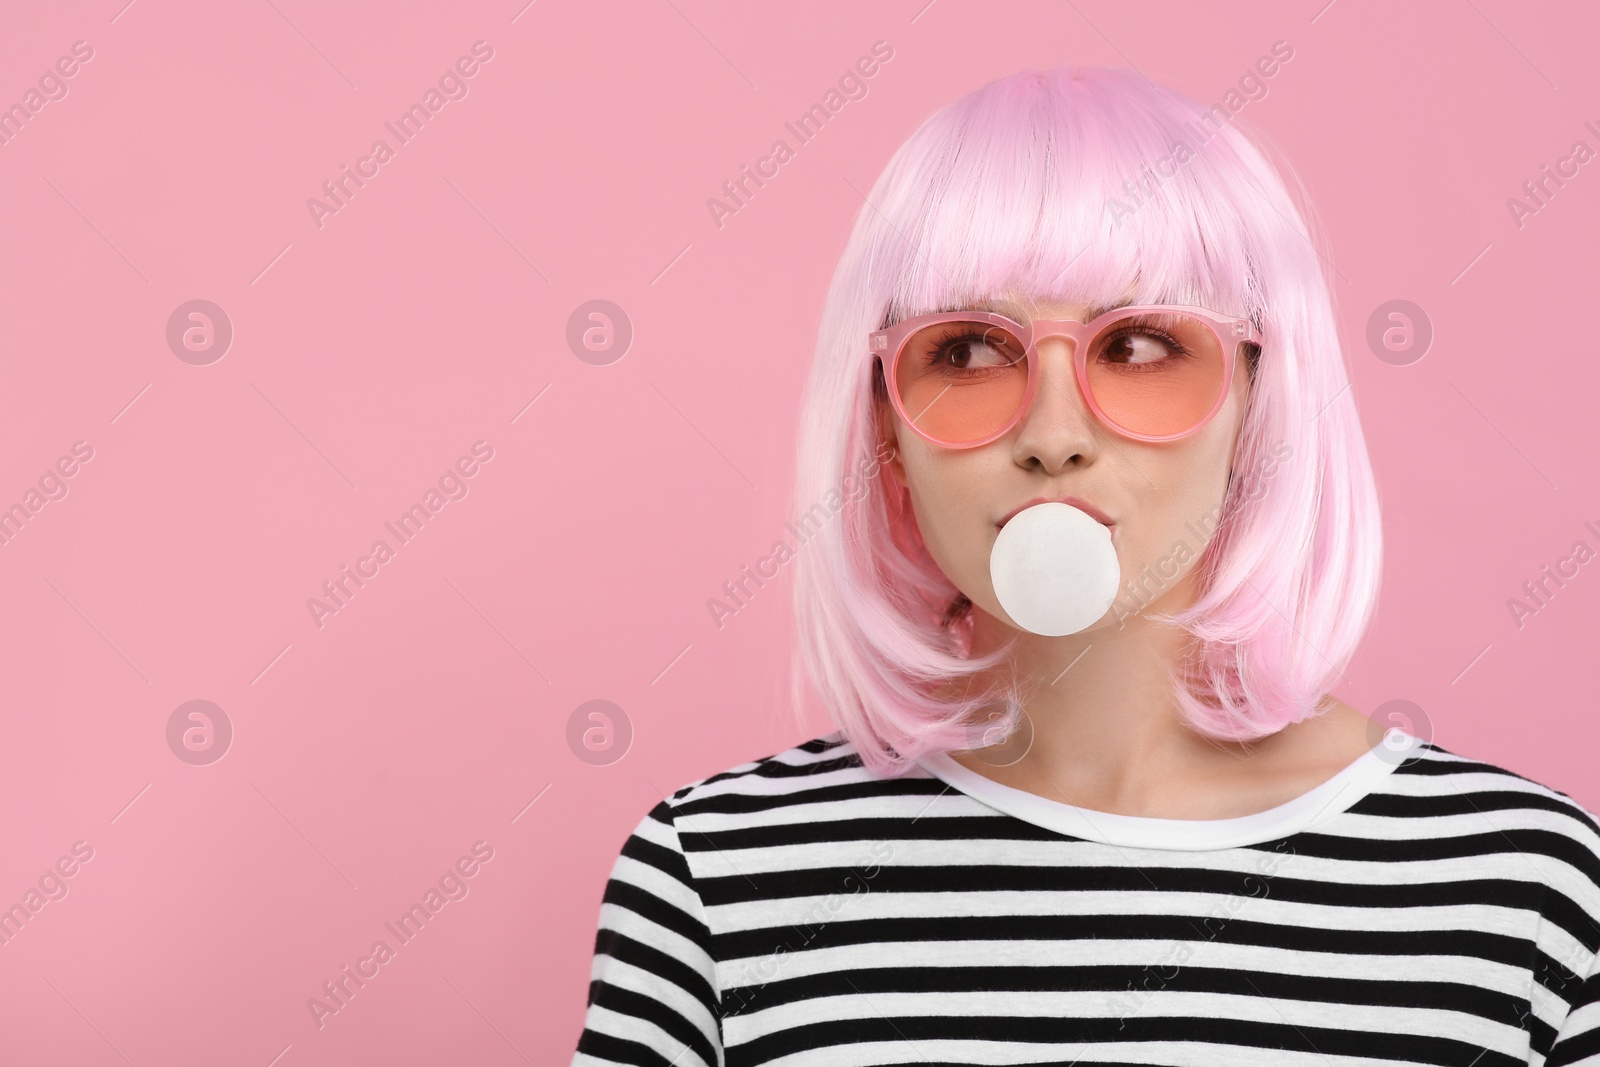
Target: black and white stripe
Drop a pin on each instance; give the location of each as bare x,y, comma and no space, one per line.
798,911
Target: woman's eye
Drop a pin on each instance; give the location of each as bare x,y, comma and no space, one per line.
1139,348
967,353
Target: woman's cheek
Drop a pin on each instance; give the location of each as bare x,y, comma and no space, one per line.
933,518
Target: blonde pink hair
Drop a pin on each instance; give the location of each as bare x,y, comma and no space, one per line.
1079,185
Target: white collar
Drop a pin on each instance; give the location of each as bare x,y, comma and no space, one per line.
1303,812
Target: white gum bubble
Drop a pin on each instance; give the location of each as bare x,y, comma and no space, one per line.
1054,569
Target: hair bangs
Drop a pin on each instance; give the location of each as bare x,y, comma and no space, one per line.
1033,204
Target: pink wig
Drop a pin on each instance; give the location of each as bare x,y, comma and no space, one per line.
1072,185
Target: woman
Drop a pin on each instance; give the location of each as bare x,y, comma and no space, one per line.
1158,840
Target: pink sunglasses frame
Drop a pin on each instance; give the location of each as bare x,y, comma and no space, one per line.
893,340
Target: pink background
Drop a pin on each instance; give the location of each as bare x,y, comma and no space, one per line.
372,352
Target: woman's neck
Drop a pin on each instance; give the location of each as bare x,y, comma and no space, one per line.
1103,728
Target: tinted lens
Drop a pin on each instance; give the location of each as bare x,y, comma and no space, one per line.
961,380
1156,373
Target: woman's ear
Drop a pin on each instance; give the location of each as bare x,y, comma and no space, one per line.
1252,356
888,437
889,446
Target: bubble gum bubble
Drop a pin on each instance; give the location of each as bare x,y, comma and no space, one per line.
1054,569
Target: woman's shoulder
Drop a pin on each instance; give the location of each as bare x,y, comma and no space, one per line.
826,770
1456,794
823,765
1430,768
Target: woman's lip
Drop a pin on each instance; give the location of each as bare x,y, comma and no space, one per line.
1076,501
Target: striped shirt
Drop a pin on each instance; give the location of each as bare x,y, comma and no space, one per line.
1419,907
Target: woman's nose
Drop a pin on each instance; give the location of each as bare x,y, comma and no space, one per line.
1058,427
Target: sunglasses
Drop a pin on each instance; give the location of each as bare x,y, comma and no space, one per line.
1152,372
